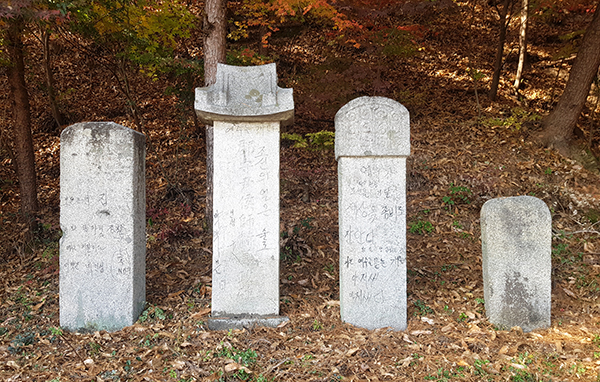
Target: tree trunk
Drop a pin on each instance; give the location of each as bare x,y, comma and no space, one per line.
23,142
504,20
522,44
559,125
50,79
215,29
121,69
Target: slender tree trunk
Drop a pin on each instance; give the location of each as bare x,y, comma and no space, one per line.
522,44
475,74
129,94
215,29
50,79
189,87
23,141
593,114
504,20
559,125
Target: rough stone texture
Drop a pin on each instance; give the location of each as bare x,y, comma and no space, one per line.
246,108
372,142
245,93
377,126
516,237
246,219
102,216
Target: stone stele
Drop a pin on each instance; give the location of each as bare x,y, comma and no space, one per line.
103,220
516,238
245,107
372,141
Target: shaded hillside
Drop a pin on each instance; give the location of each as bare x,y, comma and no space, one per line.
458,162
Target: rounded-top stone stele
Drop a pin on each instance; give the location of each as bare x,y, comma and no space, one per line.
372,141
516,238
372,126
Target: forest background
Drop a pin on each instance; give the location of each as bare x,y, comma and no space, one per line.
137,62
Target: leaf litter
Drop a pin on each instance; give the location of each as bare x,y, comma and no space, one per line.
457,163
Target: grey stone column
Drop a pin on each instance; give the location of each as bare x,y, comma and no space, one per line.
371,145
245,107
103,220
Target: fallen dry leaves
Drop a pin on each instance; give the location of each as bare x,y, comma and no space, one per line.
457,163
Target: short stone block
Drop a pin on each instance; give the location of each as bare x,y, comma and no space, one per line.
371,145
516,237
103,220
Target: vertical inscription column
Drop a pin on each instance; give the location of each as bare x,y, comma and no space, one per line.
102,216
246,219
371,145
245,107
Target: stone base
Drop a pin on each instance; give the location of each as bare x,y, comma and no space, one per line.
247,321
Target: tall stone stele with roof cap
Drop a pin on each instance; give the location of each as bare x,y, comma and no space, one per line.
245,107
372,141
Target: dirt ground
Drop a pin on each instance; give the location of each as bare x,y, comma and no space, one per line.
458,161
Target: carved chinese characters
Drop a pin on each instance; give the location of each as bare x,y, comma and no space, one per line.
245,107
246,219
102,250
372,143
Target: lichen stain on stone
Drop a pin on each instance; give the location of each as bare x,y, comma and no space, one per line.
517,307
99,132
254,95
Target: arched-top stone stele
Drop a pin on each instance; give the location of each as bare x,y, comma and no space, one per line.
372,126
245,94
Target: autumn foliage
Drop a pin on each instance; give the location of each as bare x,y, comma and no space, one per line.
434,57
269,16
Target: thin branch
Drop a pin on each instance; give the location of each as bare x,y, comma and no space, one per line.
277,365
585,231
563,233
71,346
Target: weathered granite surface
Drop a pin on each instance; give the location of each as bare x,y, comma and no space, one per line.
516,237
371,145
246,219
103,220
245,94
245,107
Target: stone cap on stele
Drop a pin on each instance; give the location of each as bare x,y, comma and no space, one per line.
245,94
